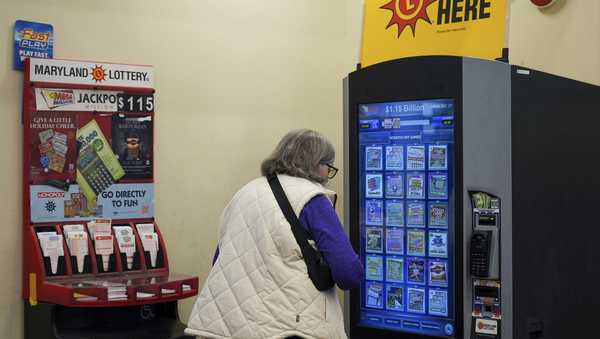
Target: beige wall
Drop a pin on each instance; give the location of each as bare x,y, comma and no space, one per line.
231,78
563,39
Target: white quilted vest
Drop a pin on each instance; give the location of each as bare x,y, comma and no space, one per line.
259,286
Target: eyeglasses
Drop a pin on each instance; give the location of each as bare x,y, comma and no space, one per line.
331,171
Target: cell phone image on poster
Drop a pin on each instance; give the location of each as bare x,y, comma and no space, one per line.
394,158
374,186
373,158
394,213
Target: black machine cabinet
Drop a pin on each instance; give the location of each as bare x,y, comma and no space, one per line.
526,270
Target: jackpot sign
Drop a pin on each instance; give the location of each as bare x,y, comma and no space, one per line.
403,28
90,73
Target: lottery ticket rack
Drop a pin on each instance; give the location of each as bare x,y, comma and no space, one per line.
95,263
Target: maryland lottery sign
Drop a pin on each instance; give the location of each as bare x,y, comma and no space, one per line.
90,73
403,28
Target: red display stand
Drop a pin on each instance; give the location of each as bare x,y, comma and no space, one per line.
88,157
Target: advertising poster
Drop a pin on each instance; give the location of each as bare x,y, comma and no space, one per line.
119,201
415,158
438,244
374,187
394,269
52,147
438,302
415,268
132,143
400,29
91,73
374,294
394,241
374,240
394,185
415,212
32,40
374,212
438,214
97,166
394,158
416,300
394,213
415,186
373,158
374,267
63,99
395,297
438,273
438,157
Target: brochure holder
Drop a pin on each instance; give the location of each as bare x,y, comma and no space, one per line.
95,263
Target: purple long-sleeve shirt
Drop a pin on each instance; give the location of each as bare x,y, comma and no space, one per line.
319,218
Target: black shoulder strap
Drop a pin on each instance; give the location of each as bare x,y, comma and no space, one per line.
300,233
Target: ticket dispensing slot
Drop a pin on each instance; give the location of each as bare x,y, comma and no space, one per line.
484,264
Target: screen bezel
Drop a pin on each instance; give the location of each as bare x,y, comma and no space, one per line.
425,78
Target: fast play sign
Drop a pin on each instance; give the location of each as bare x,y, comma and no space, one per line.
403,28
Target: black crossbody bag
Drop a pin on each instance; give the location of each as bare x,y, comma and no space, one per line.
318,270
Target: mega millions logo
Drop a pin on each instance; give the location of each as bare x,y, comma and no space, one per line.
407,13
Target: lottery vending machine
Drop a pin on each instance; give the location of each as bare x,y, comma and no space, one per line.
95,264
469,199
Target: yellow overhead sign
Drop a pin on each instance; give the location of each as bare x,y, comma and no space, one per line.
401,28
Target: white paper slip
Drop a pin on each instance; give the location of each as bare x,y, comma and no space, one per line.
150,244
73,228
52,247
103,244
145,228
78,245
143,295
126,242
167,291
101,226
84,297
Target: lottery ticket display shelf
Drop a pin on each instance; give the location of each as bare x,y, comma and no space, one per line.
95,263
142,285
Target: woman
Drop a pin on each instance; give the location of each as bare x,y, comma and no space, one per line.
259,286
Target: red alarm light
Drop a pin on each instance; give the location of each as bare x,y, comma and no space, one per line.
542,3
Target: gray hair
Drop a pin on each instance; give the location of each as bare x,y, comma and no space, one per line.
299,154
